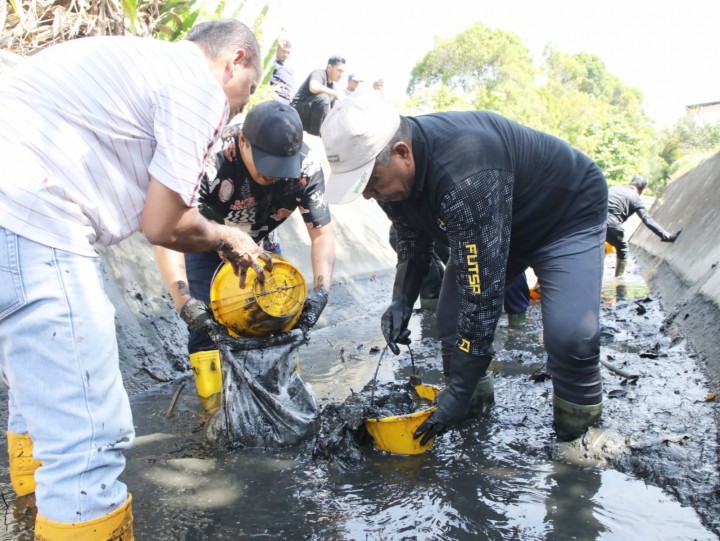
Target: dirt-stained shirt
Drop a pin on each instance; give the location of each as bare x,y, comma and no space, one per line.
84,125
495,191
229,195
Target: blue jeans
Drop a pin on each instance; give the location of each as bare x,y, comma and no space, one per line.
59,358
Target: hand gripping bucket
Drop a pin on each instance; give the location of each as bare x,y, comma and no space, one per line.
395,434
258,309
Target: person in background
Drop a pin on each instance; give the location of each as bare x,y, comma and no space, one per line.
317,94
623,202
99,137
262,173
283,78
353,82
378,84
517,300
528,199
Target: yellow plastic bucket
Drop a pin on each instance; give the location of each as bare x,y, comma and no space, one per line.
258,309
395,434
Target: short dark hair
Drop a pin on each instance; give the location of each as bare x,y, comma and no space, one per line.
335,59
220,36
640,182
403,133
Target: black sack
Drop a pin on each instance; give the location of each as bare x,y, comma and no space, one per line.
265,403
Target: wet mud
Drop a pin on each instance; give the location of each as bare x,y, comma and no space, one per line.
648,471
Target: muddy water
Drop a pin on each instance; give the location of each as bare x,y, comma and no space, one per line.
651,473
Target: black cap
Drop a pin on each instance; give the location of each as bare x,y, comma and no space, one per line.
275,133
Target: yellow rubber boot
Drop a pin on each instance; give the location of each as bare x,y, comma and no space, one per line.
208,378
116,526
22,463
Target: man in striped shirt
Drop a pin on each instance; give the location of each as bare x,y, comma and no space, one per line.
99,138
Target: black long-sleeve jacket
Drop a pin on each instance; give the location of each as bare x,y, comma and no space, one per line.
623,202
495,191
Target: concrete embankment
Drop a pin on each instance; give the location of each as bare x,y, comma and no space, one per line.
685,274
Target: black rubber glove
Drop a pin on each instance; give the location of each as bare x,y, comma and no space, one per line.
453,401
198,317
667,237
394,324
409,278
314,305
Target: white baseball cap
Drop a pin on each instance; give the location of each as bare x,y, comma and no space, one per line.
354,132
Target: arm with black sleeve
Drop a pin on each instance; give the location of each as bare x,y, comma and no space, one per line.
414,250
478,215
651,224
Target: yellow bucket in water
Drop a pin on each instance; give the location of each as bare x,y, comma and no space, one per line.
395,434
258,309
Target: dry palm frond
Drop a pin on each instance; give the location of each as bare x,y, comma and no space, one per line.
31,25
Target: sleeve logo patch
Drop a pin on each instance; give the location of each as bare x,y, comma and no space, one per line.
473,268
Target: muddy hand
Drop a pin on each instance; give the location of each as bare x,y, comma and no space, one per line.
248,262
241,251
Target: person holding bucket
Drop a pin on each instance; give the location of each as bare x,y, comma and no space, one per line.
101,137
504,197
260,175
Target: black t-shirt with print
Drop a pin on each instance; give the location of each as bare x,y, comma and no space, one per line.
229,195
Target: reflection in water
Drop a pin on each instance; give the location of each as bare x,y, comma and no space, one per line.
570,506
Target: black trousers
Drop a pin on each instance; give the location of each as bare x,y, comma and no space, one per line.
312,112
615,236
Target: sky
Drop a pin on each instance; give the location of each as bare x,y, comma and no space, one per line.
666,49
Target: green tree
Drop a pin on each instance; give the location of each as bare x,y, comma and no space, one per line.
480,68
594,111
571,96
684,145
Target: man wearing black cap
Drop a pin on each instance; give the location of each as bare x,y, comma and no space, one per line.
261,174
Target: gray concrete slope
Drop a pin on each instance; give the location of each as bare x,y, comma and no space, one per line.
685,273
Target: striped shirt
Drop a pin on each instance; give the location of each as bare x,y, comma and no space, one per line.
84,125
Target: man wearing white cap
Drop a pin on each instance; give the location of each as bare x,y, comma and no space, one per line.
504,197
353,82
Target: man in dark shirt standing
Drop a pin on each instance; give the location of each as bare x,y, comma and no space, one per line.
623,202
318,94
503,197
